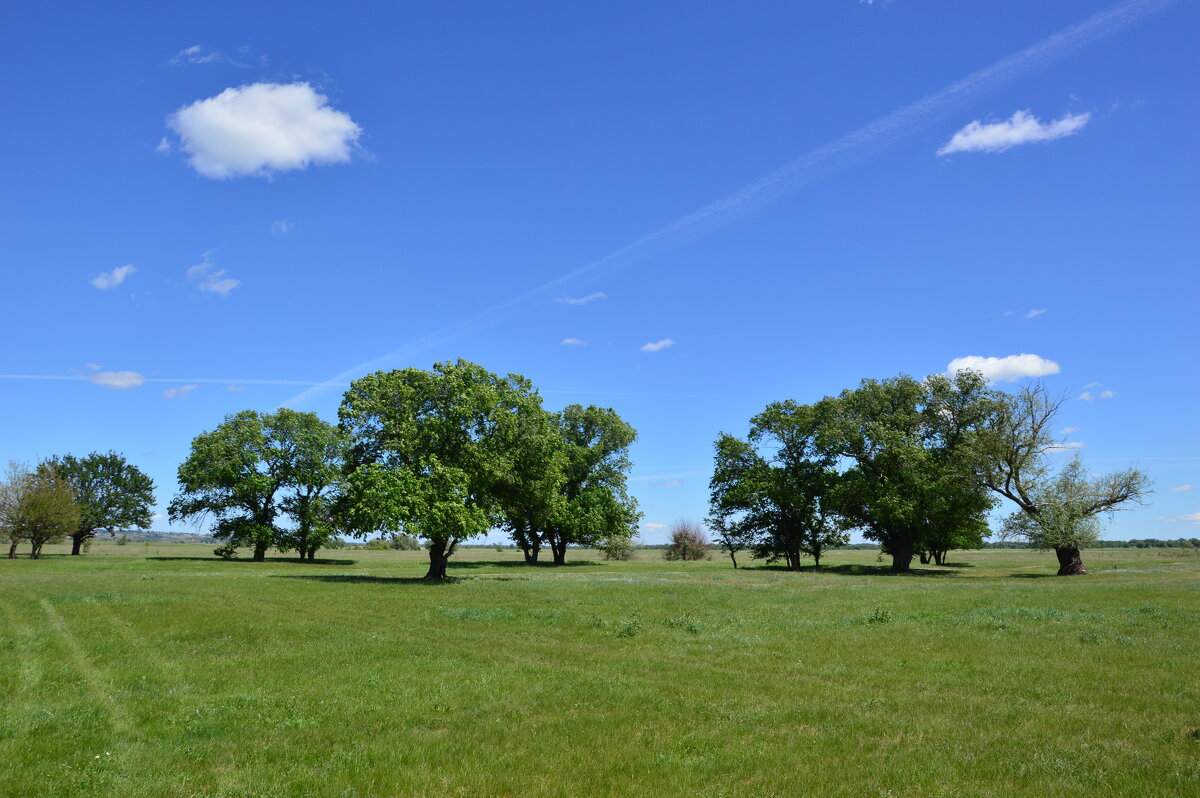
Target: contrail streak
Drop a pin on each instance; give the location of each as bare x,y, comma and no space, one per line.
836,155
204,380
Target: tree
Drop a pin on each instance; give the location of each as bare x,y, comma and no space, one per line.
431,449
914,481
771,492
112,494
252,468
314,487
595,504
38,506
1059,512
530,493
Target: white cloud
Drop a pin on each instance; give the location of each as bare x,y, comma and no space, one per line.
658,346
1033,314
208,277
117,380
197,55
93,366
263,128
653,525
235,388
107,280
574,342
1022,128
282,227
1069,430
157,517
164,146
1181,488
1190,518
1065,446
1005,369
179,393
581,300
671,483
1088,396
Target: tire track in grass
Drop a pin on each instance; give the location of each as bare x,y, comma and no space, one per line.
89,673
29,675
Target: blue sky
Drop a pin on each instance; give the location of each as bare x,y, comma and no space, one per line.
779,198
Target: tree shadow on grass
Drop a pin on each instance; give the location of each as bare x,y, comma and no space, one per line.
366,579
1033,576
293,560
515,564
874,570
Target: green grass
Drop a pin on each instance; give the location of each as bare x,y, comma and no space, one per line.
158,670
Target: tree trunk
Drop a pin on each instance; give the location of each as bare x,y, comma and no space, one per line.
260,552
902,558
733,557
924,557
939,556
559,549
12,550
1069,561
793,558
816,553
439,556
77,543
531,554
36,552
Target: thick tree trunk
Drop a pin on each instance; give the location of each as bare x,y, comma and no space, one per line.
531,554
36,552
924,557
260,552
902,558
439,557
939,557
77,543
1069,561
559,549
793,558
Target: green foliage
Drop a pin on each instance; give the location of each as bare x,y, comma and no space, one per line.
112,494
37,506
618,547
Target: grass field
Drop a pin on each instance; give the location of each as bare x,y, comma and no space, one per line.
158,670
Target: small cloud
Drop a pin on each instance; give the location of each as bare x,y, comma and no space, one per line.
235,387
283,227
164,146
1093,385
106,280
117,380
1033,314
179,393
658,346
263,128
197,55
1190,518
156,517
671,483
581,300
1065,446
1088,396
93,366
653,525
1022,128
574,342
1181,488
1005,369
208,277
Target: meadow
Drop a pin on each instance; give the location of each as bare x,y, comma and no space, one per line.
159,670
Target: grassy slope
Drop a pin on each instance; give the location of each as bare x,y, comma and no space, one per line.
349,678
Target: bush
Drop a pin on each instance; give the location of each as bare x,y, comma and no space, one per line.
226,552
123,540
618,547
688,542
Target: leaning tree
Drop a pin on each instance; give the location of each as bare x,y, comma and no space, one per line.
112,494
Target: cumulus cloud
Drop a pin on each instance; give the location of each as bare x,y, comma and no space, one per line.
1033,314
1021,128
107,280
180,392
574,342
657,346
117,380
1088,396
1181,488
263,128
581,300
1005,369
208,277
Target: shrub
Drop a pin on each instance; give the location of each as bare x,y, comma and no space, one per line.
123,540
618,547
226,552
688,542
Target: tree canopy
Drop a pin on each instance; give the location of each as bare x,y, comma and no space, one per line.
112,494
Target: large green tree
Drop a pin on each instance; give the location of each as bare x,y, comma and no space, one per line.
914,480
771,492
112,494
431,450
1057,510
250,471
596,506
313,493
530,494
